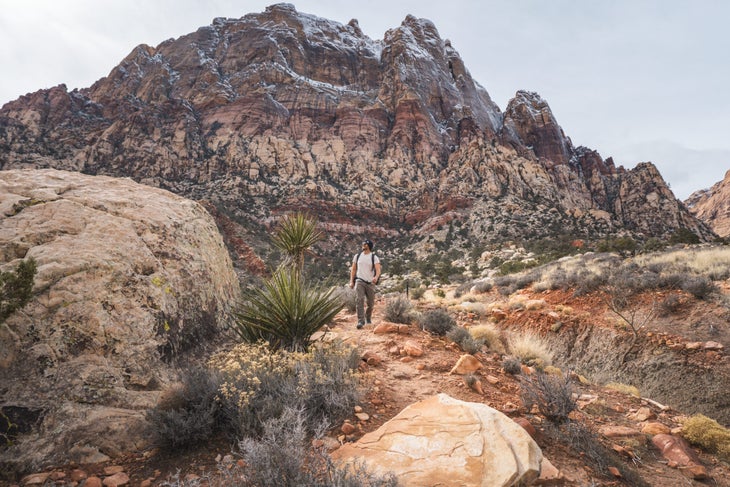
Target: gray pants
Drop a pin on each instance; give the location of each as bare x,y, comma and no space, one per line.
364,290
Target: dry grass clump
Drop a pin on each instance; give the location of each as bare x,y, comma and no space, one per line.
530,349
479,309
623,388
708,434
488,334
713,262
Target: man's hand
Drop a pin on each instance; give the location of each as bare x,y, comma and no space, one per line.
352,284
375,280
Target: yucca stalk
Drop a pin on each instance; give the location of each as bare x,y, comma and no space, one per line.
285,311
296,234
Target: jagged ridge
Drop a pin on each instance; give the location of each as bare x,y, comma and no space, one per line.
281,109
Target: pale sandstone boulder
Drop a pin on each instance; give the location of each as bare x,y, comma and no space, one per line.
128,277
445,441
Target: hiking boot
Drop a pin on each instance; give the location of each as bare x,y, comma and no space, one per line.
360,324
368,322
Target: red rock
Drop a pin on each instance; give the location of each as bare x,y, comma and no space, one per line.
93,482
678,452
527,426
117,480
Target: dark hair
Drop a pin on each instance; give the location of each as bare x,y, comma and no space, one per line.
369,244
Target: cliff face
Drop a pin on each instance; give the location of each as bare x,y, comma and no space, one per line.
712,206
282,109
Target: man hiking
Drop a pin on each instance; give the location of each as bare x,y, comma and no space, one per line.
364,275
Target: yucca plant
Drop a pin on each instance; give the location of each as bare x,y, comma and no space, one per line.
285,312
296,234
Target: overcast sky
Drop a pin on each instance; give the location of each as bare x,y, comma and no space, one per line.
637,80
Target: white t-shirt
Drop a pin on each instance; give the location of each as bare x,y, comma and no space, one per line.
365,270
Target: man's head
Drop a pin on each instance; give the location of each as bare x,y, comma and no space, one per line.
368,244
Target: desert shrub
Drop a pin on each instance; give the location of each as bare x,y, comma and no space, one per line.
488,334
466,342
530,349
348,296
708,434
623,388
552,394
399,310
440,293
418,292
189,413
16,287
257,382
462,289
511,283
683,236
286,311
437,322
699,286
669,305
586,445
512,365
622,245
483,286
282,456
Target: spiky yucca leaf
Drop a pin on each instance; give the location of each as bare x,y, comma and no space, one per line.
295,235
285,311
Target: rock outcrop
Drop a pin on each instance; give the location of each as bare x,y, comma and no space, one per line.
712,206
281,110
445,441
129,278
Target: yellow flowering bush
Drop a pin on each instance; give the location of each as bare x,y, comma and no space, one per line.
257,382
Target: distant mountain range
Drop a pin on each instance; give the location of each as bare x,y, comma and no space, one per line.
389,138
712,205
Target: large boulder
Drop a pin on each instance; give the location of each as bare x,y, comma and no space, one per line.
445,441
130,279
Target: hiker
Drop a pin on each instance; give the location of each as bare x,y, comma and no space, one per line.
364,275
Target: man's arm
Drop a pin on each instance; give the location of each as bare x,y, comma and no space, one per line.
377,273
353,270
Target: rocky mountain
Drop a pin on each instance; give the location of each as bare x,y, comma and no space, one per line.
391,138
712,206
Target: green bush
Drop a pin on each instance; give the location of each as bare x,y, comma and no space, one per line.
708,434
285,312
418,292
463,338
399,310
437,322
16,287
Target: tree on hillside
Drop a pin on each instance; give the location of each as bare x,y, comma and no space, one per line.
16,288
